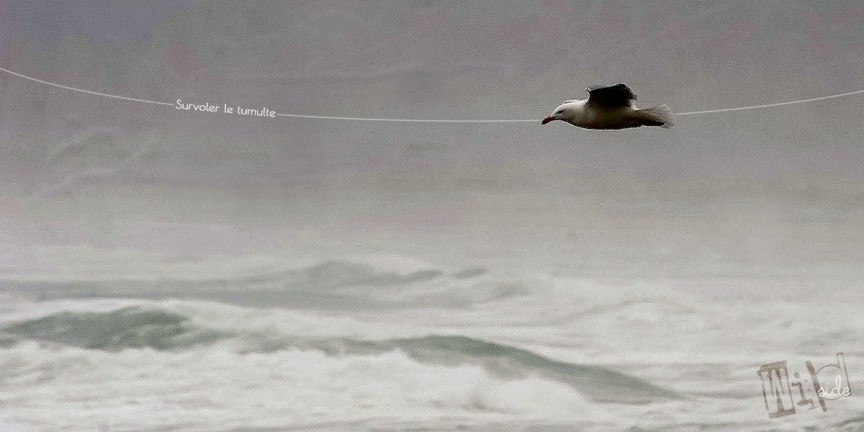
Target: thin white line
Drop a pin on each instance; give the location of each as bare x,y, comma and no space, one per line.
405,120
409,120
82,90
770,105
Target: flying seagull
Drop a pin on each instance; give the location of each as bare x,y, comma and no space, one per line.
610,107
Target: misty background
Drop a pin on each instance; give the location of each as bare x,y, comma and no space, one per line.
771,192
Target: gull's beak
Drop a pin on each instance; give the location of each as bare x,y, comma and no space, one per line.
547,120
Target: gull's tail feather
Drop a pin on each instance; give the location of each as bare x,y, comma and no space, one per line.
660,115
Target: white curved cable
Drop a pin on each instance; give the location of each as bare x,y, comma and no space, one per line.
82,90
751,107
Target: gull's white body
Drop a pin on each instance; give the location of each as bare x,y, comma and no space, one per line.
589,114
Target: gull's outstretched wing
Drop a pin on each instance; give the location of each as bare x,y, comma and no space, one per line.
610,96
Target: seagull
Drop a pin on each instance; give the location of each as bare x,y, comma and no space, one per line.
610,107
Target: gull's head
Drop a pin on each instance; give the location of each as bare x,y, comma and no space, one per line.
560,113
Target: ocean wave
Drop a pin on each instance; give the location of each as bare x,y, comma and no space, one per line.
138,327
505,361
332,284
131,327
291,388
350,275
337,273
332,274
358,285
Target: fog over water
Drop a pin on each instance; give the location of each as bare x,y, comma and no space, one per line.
168,269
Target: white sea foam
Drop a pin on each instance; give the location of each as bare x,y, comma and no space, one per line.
263,389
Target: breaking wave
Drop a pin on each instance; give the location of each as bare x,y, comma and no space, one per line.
131,327
329,284
137,327
599,383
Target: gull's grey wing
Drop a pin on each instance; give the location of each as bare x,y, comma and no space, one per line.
610,96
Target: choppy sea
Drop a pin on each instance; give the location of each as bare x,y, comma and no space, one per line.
366,342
